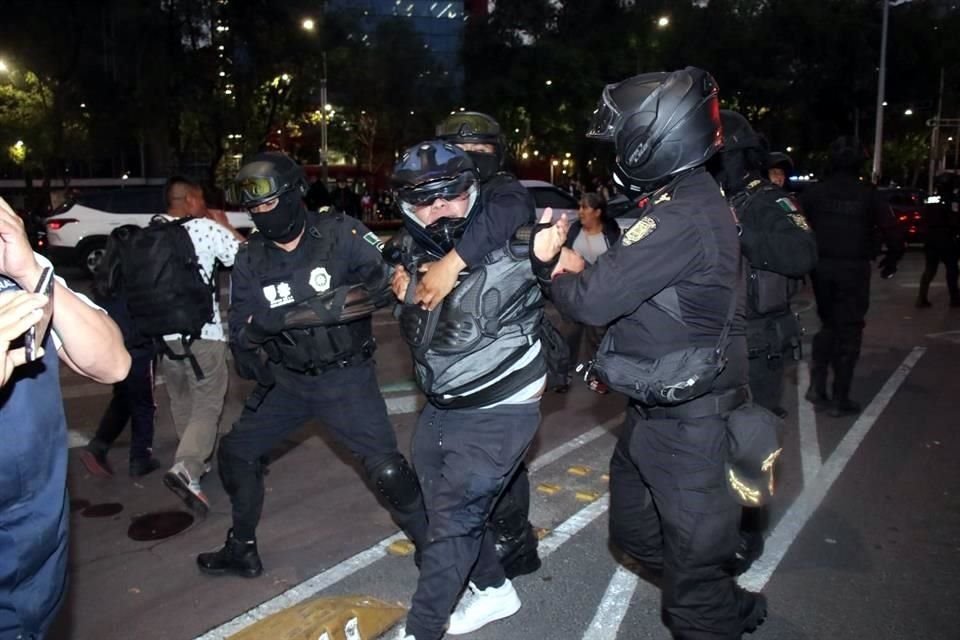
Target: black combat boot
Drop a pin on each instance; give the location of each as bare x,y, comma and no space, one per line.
518,554
235,557
817,392
842,381
753,610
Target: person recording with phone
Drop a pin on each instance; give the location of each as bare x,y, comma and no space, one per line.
58,325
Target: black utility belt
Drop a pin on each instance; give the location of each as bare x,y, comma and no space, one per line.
712,404
349,361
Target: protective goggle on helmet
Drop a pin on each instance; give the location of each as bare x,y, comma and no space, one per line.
266,176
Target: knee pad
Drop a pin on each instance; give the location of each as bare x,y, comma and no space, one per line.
396,481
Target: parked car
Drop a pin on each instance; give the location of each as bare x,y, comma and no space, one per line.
907,206
77,231
549,195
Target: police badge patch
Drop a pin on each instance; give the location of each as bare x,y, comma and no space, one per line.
640,230
319,279
800,221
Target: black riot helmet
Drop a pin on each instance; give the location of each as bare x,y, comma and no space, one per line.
468,127
427,172
945,184
738,135
743,154
846,156
780,160
662,125
265,176
268,176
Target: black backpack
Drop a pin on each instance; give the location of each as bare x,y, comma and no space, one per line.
162,280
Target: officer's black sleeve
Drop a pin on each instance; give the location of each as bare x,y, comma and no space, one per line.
776,237
243,300
362,250
630,272
510,207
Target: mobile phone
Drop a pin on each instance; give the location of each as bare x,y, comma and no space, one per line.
33,338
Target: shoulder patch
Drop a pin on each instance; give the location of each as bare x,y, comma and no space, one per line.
787,204
373,240
799,220
640,230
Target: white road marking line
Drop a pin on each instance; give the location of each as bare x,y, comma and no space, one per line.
304,590
552,456
809,500
613,606
573,525
810,456
331,576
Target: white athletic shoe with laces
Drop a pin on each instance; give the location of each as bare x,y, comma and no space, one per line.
480,607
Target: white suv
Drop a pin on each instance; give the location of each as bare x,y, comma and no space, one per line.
77,232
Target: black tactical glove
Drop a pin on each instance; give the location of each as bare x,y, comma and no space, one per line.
887,266
265,324
250,365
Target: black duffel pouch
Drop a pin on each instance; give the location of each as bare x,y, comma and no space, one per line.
675,378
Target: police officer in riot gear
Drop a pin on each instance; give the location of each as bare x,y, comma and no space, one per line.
477,358
303,289
847,217
941,226
779,246
669,506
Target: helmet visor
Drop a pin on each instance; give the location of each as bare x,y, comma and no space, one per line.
603,124
468,126
252,190
448,189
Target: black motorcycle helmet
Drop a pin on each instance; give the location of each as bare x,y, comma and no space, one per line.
945,184
428,171
265,176
780,160
846,156
743,154
662,125
472,126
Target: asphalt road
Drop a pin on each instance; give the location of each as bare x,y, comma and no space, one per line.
864,540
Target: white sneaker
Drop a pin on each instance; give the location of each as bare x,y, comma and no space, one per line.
179,481
479,607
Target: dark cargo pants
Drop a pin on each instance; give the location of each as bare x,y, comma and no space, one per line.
669,508
347,401
842,291
464,459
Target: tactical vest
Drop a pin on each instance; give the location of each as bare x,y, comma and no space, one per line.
768,293
315,349
464,349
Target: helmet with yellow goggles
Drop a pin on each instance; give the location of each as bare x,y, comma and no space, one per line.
266,176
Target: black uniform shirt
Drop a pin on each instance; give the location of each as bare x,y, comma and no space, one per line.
775,234
284,278
688,241
848,218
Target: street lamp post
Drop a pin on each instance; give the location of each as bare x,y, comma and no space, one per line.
323,123
881,88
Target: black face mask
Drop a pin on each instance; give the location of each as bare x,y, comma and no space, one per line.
487,164
285,222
